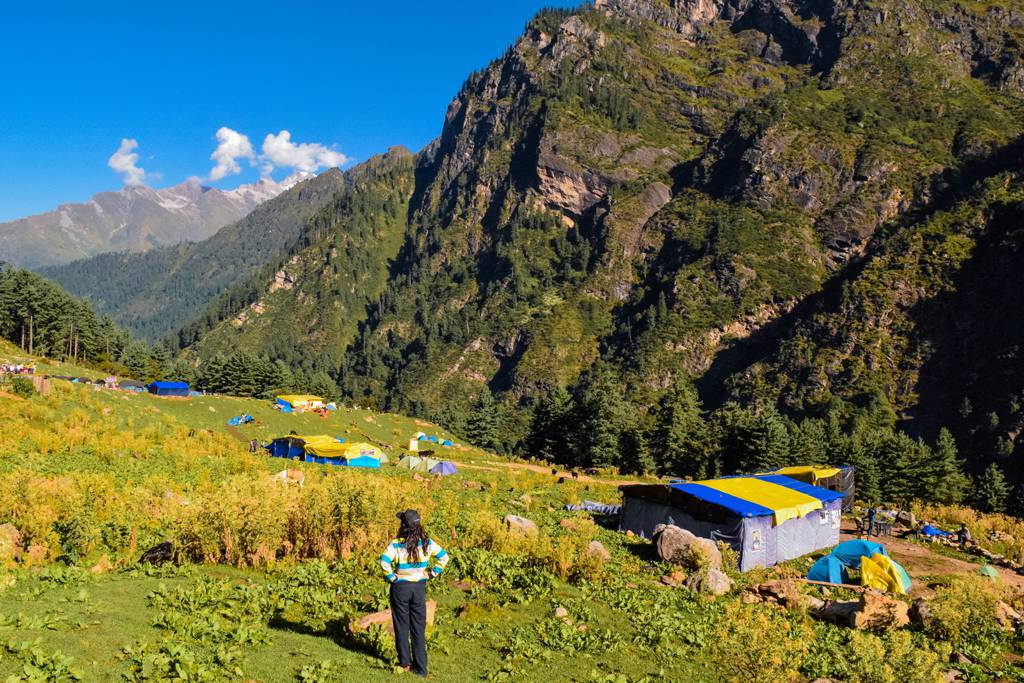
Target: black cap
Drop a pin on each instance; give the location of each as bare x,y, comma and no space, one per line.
410,518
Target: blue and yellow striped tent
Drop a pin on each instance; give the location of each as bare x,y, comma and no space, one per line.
766,518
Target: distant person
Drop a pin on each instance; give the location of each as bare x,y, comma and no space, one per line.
963,535
406,564
871,521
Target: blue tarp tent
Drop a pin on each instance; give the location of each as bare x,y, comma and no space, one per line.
432,439
168,388
829,570
444,468
447,443
834,568
929,530
766,519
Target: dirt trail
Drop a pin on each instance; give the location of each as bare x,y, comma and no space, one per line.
541,469
235,432
919,560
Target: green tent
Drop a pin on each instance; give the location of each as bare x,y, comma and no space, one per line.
417,464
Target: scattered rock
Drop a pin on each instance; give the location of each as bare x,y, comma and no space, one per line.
597,549
158,554
463,585
960,659
10,543
561,613
919,612
102,567
680,546
712,582
951,676
521,524
673,579
1008,617
384,619
873,612
630,534
36,554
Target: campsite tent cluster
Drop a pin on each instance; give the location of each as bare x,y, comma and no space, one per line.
869,559
327,450
299,403
428,465
766,518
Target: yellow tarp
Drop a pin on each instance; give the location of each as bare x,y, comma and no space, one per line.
300,399
878,571
323,446
784,502
816,472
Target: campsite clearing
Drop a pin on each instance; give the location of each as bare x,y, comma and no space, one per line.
273,573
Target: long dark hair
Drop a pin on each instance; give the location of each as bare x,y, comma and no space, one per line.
413,535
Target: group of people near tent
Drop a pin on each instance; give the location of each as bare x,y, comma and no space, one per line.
301,403
18,369
243,419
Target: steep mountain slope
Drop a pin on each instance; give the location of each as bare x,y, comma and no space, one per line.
131,219
305,307
647,181
930,326
156,292
671,187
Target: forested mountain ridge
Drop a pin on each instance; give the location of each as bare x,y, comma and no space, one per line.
304,307
640,196
157,292
647,191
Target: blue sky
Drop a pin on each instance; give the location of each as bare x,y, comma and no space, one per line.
353,77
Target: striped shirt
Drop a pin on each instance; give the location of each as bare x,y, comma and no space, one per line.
399,566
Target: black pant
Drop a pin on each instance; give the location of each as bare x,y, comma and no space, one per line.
409,613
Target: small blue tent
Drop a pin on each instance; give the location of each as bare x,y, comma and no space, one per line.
168,388
447,443
444,468
432,439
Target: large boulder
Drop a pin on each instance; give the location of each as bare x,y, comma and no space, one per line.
384,619
712,582
521,524
597,549
682,547
874,611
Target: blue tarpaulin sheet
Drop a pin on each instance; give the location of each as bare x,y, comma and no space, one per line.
743,508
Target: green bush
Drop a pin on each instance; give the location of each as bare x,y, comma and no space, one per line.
23,387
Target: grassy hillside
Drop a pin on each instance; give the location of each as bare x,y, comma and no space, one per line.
272,574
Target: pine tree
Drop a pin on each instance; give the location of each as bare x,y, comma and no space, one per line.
549,430
680,440
992,490
482,426
948,482
636,456
601,415
764,441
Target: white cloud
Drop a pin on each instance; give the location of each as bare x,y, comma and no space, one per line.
125,160
231,146
279,150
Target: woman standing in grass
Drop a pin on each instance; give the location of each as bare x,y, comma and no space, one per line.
407,567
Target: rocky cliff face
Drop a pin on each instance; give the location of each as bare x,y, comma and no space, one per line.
673,186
